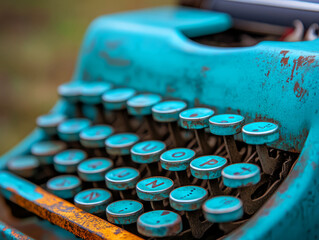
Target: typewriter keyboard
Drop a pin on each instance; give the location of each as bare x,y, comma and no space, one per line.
152,165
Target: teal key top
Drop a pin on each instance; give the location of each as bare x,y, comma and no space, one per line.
64,186
94,136
168,111
142,104
154,188
115,99
93,200
94,169
70,91
70,129
46,150
223,209
258,133
68,160
121,143
124,211
159,223
187,198
91,92
122,178
50,122
208,167
177,159
195,118
226,124
241,175
147,151
24,166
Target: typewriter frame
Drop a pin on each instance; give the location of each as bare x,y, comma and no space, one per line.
127,48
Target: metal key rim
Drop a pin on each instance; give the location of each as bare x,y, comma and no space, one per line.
220,211
76,201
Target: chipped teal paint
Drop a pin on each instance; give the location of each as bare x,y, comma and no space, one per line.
187,198
71,92
121,143
223,209
154,188
91,92
68,160
177,159
168,111
64,186
241,175
195,118
94,169
208,167
24,188
260,133
115,99
122,178
94,137
49,122
159,223
124,211
93,200
45,150
147,151
25,166
226,124
70,129
9,233
142,104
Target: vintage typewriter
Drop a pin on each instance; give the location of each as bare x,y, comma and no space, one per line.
180,123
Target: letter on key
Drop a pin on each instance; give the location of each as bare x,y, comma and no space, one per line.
121,143
115,99
64,186
168,111
223,209
122,178
124,211
159,223
142,104
154,188
68,160
208,167
93,200
70,129
91,92
94,137
94,169
177,159
147,151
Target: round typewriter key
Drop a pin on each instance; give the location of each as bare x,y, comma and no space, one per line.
94,169
115,99
122,178
93,200
208,167
94,136
223,209
121,143
197,119
91,92
261,133
147,151
142,104
160,223
70,91
124,211
241,175
70,129
168,111
227,125
154,188
187,198
46,150
25,166
177,159
68,160
50,122
65,186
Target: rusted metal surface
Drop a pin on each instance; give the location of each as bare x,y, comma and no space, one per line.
9,233
58,211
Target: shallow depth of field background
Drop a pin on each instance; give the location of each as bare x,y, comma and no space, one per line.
39,44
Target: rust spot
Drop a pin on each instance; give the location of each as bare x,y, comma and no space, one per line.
267,74
284,60
299,91
117,231
300,62
204,70
118,62
113,44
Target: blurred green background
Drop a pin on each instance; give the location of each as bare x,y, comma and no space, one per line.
39,43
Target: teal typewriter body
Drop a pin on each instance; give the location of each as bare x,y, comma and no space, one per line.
179,93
